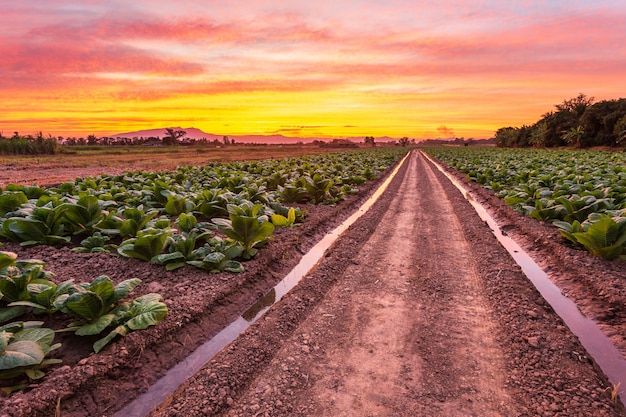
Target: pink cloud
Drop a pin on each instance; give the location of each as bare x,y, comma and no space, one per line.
395,51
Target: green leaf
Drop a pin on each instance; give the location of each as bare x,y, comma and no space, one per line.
124,288
100,344
11,312
280,220
25,229
129,227
97,326
234,266
145,247
7,259
87,305
608,252
604,231
40,335
175,265
21,353
186,222
35,373
10,201
148,314
103,286
27,304
167,258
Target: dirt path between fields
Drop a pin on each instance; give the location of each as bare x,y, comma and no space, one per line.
416,312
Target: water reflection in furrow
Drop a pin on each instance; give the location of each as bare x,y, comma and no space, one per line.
597,344
167,385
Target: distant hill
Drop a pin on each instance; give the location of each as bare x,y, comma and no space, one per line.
195,133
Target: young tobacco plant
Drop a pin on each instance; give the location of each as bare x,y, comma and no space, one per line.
15,278
23,350
93,304
139,314
291,193
43,295
43,225
246,227
602,235
148,244
182,248
96,243
284,221
217,256
318,186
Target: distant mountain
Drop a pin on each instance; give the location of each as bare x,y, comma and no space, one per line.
195,133
192,133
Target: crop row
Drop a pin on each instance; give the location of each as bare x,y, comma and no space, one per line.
95,307
172,217
583,193
211,217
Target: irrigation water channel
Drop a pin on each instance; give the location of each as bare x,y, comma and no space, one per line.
597,344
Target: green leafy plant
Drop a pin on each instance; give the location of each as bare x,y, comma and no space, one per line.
23,350
135,219
14,279
543,210
30,191
579,208
182,248
177,204
567,230
93,303
82,216
601,234
212,203
96,243
248,229
7,259
218,256
186,222
284,221
139,314
147,245
45,225
43,295
317,186
292,194
11,201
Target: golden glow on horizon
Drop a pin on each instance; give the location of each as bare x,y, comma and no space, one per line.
345,69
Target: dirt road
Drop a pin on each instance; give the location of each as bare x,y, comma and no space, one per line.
416,312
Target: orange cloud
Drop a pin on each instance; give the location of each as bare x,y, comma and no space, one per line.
407,67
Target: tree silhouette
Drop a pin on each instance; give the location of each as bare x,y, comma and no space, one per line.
171,136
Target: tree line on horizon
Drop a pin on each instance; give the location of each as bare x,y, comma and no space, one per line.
38,144
577,122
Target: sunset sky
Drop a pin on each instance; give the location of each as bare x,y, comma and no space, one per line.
323,68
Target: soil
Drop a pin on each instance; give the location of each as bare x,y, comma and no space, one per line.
416,310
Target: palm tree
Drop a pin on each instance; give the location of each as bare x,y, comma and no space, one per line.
574,135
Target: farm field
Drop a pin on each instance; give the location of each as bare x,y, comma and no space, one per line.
76,162
582,193
446,285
